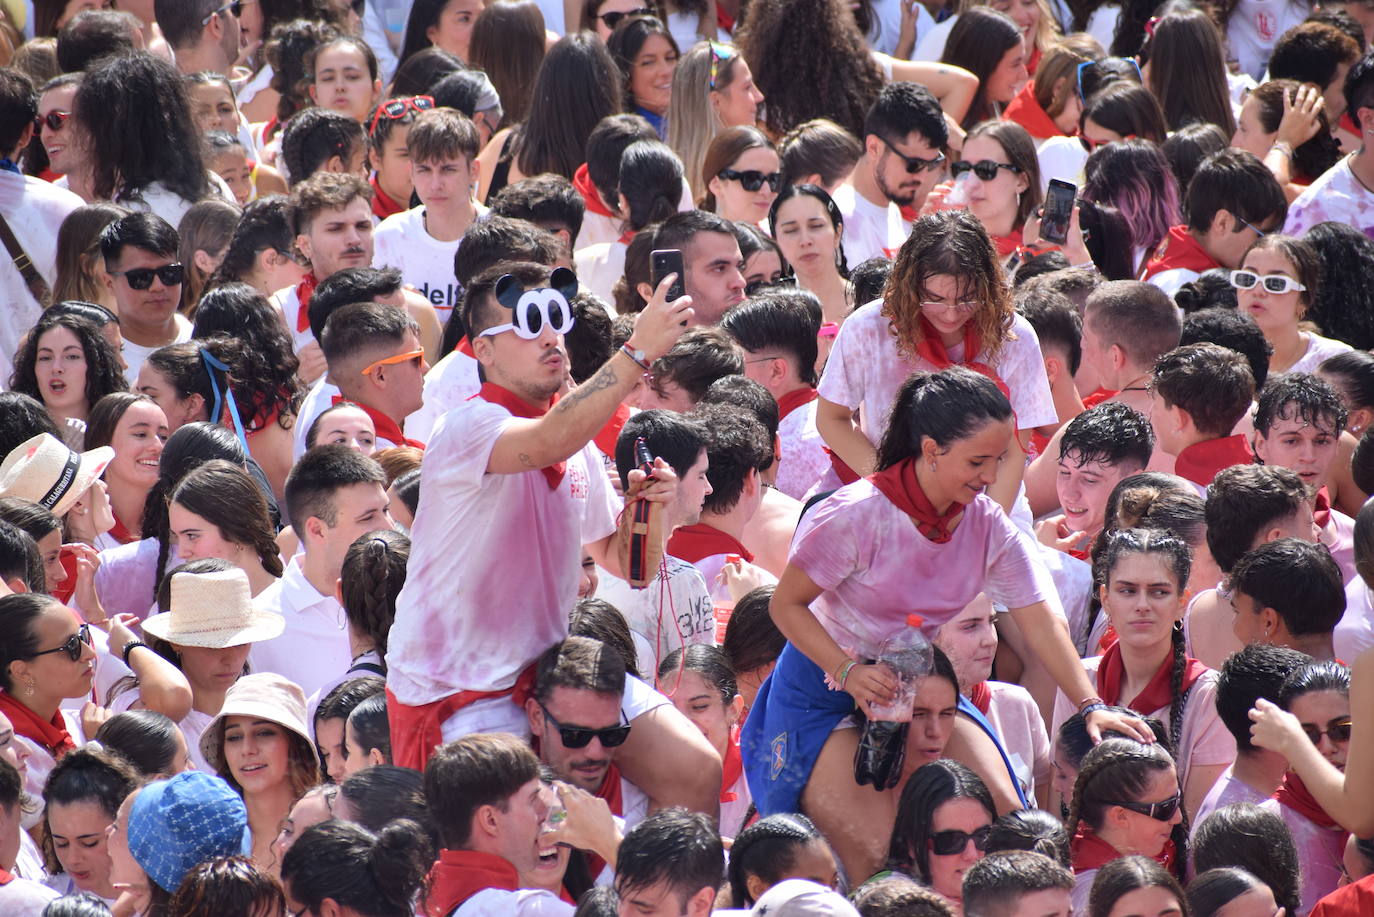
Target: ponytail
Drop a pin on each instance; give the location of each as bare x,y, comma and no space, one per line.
374,570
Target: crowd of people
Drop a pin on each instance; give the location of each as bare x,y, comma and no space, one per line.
674,457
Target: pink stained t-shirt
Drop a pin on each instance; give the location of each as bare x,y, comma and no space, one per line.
495,561
875,568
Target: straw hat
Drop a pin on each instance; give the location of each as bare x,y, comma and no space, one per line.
46,472
262,696
213,610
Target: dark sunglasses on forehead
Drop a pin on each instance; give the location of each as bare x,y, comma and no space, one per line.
73,646
141,278
752,179
613,19
1159,811
53,121
953,842
580,737
1337,730
914,164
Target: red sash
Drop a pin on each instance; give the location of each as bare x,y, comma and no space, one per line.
898,483
385,427
733,766
1295,794
1201,462
931,349
980,695
51,734
417,731
1111,672
797,398
459,874
498,394
582,181
304,290
383,205
1088,851
696,542
1026,111
1179,250
606,439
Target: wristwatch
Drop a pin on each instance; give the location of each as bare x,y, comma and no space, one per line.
638,356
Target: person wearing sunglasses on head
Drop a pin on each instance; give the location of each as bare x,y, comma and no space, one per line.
203,34
140,253
740,172
602,16
1276,285
387,131
1126,802
943,820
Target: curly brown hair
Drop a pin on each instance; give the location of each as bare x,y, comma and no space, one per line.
811,61
951,242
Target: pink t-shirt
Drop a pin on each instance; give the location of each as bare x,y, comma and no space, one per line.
876,568
495,561
804,460
1227,790
1015,716
1321,852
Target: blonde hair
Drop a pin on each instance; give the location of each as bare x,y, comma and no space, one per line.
692,120
1060,62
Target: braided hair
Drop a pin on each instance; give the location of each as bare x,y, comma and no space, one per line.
1120,769
767,849
374,570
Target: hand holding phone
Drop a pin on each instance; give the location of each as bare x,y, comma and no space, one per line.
1058,211
665,261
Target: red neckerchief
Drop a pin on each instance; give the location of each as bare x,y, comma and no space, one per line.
304,290
1088,851
1321,509
459,874
1111,672
51,734
606,439
465,346
582,181
932,349
696,542
898,483
613,791
498,394
1007,244
980,695
1033,64
121,533
842,470
385,427
5,878
269,128
383,205
1347,123
726,22
1081,553
626,237
1096,397
64,592
1295,794
1179,250
1201,462
1026,111
733,766
797,398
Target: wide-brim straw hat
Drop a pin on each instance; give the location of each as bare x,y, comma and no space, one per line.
213,610
262,696
44,471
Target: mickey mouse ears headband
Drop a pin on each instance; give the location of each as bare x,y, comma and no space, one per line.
535,308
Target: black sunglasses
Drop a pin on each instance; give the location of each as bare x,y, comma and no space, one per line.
74,645
950,843
755,287
752,180
613,19
1338,731
53,120
141,278
915,164
986,169
1159,811
579,737
235,8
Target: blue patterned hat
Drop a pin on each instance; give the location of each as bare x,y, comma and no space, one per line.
177,824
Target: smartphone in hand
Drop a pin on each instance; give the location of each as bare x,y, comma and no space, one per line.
1058,211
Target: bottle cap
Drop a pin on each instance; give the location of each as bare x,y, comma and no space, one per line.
914,620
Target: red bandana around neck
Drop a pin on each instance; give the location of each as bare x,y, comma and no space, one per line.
1321,509
980,695
385,427
724,20
459,874
1179,250
697,542
1026,111
304,290
932,349
383,204
899,484
733,766
1007,244
51,734
797,398
499,394
582,182
1158,694
1294,794
1088,851
1201,462
465,346
121,533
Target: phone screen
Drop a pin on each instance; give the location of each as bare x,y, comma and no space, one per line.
1054,226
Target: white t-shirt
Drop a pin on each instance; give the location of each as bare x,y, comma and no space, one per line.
804,460
887,25
1336,195
449,383
1254,26
41,763
136,354
930,45
527,902
495,560
314,646
1318,349
34,210
668,614
402,241
865,371
599,266
25,898
1355,632
1062,158
1016,717
870,230
318,399
158,199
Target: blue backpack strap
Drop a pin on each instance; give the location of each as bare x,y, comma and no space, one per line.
967,709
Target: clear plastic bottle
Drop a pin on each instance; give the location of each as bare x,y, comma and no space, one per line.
882,743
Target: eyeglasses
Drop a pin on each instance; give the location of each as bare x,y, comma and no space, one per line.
755,287
397,108
752,179
1337,731
74,646
533,314
414,355
949,843
1274,283
986,169
1106,68
579,737
235,7
613,19
963,307
1159,811
141,278
719,53
914,164
54,121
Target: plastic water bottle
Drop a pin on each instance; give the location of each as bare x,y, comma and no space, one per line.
882,742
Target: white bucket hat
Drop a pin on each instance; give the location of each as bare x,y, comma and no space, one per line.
46,472
262,696
213,610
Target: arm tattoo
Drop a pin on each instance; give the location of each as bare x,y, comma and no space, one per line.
606,377
525,460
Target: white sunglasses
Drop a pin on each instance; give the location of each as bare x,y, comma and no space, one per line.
1274,283
535,309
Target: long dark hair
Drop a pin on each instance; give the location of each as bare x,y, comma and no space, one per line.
266,374
832,212
1188,75
224,495
578,84
1344,306
1125,875
651,180
945,406
932,786
424,15
508,44
103,374
1119,770
625,44
981,37
375,874
374,570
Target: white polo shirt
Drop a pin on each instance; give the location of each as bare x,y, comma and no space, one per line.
314,646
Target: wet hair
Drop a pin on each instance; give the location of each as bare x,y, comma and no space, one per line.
374,570
1119,770
79,904
226,886
869,279
145,738
1110,433
995,885
1300,397
1246,500
767,849
103,372
710,662
675,847
1032,830
929,788
375,874
946,406
1188,146
1212,890
1230,328
1312,677
368,723
1245,836
1212,384
979,40
599,620
313,136
1296,578
752,639
1254,671
1127,874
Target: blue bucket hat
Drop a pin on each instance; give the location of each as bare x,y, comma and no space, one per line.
176,824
